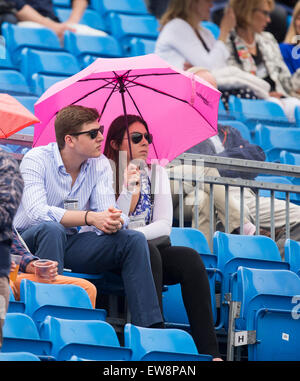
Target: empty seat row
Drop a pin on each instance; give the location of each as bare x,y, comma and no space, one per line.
62,339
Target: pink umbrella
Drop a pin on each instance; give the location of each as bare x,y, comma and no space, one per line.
181,110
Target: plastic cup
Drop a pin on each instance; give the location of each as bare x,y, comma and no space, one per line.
17,259
42,267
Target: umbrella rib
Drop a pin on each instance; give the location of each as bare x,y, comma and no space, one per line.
129,76
138,110
108,98
86,95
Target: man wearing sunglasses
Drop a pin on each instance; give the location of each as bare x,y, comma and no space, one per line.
69,184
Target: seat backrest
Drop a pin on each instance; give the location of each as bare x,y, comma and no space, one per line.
141,46
18,37
62,332
42,82
274,139
211,26
36,295
144,340
21,326
28,101
90,17
133,26
240,126
290,158
292,255
121,6
229,247
78,44
266,284
46,62
13,82
275,180
18,356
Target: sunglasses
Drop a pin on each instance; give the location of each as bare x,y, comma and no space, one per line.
93,133
137,137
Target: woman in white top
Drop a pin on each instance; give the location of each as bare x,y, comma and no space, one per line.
152,215
183,42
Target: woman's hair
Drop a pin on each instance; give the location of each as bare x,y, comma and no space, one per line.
115,134
291,33
243,10
182,9
70,119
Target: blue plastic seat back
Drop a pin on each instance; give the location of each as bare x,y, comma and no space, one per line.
240,126
62,3
21,334
18,37
27,101
14,305
292,255
82,338
41,82
46,62
13,82
267,306
18,356
290,158
79,45
211,26
61,300
6,61
257,110
275,139
141,46
143,341
121,6
90,17
133,26
277,180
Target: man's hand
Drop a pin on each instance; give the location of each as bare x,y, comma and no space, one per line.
109,221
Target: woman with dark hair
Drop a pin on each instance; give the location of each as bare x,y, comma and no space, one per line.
152,215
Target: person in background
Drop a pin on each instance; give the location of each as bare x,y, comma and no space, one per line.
11,187
257,52
183,42
27,271
290,47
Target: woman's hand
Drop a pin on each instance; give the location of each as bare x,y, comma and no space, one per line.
228,23
132,178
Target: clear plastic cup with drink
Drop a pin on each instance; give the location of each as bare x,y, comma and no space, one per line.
42,270
17,260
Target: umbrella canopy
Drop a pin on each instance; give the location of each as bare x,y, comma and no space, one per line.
14,116
180,109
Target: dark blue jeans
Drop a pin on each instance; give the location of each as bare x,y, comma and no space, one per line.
126,251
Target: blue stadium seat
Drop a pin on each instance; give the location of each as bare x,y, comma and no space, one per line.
174,310
90,17
291,158
27,101
15,305
21,334
126,27
294,197
6,62
241,127
292,255
136,7
141,46
13,82
268,309
41,82
18,37
214,28
151,344
62,3
60,300
234,250
18,356
98,46
49,63
254,111
92,340
274,139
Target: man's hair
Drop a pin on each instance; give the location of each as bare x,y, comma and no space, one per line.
70,120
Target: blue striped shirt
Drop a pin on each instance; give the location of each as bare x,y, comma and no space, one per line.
47,185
